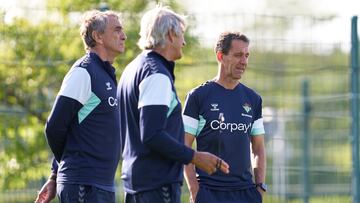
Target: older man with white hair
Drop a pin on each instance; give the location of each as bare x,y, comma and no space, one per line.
150,115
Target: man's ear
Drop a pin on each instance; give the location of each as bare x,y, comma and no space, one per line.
219,56
97,37
171,36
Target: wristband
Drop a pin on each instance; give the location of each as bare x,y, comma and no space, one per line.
262,186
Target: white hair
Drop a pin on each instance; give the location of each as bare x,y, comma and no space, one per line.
156,24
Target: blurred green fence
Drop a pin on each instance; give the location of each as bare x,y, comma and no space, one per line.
302,73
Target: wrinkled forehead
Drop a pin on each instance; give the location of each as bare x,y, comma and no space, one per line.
239,45
114,20
239,42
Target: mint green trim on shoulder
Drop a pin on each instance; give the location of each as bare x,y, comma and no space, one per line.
201,124
256,132
174,102
88,107
190,130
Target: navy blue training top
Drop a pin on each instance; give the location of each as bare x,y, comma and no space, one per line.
151,125
223,122
83,127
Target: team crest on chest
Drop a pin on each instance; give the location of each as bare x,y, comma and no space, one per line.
247,107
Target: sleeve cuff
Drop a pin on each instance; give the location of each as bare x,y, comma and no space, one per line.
189,154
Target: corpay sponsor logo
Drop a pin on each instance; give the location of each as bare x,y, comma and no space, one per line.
215,125
112,101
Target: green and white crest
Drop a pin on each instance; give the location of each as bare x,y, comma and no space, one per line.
247,107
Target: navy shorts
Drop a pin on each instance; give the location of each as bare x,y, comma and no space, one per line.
74,193
249,195
165,194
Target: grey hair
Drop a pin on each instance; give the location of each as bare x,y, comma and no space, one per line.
156,25
94,21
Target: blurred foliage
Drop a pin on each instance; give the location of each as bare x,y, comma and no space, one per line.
34,58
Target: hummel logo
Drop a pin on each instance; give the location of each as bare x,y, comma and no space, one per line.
108,84
81,194
166,194
214,107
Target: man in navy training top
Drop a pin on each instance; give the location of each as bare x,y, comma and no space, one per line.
151,126
225,118
83,127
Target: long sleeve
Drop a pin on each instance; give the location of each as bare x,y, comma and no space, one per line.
75,91
58,123
152,125
156,102
54,166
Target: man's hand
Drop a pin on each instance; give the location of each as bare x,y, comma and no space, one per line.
209,162
47,192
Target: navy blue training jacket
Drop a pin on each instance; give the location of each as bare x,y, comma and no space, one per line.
83,127
151,126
